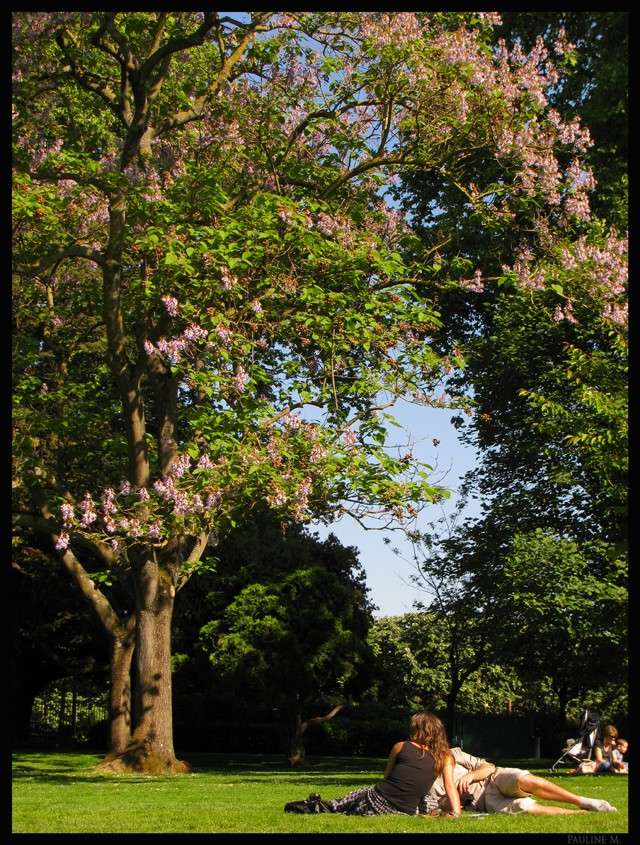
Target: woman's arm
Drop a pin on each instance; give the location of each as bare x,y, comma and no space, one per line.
450,787
597,754
392,758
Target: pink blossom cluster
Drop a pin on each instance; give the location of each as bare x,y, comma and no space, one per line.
326,224
318,141
174,349
577,204
298,77
293,118
291,421
286,215
97,211
228,279
390,28
273,450
224,334
41,150
171,305
529,277
617,312
349,438
462,48
515,75
392,224
492,18
205,462
153,192
63,540
607,266
88,509
117,517
277,498
194,333
241,379
284,20
318,453
564,312
571,134
300,510
562,45
474,284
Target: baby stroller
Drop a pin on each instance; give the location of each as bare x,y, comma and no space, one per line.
577,750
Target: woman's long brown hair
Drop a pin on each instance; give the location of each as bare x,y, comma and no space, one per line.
428,731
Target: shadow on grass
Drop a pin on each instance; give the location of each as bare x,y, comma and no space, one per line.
67,769
212,762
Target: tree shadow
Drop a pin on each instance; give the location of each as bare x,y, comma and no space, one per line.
345,773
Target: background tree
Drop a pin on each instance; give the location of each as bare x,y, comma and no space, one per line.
567,611
541,318
229,284
53,635
291,624
417,666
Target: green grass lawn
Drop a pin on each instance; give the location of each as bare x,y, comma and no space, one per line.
56,792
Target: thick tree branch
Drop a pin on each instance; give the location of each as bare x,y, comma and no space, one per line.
73,251
175,45
317,720
157,33
369,164
200,544
50,527
195,113
98,601
87,80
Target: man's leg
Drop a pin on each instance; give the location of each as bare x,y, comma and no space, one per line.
542,788
547,810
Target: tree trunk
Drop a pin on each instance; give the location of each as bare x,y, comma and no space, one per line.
296,746
150,748
451,712
296,743
120,693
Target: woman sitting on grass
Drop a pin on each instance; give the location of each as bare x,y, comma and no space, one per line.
603,749
411,770
603,754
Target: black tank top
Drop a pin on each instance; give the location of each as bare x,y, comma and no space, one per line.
411,777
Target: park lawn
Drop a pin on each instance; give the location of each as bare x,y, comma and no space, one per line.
59,792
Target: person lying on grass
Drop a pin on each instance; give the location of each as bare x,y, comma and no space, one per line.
411,770
486,788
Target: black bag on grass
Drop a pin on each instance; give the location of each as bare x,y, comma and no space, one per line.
313,804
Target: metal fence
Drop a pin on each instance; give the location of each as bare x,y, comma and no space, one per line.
67,710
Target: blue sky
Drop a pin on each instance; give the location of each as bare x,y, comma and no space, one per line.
387,573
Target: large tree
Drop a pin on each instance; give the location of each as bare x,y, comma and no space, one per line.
211,305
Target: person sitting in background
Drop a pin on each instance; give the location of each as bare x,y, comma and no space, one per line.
603,748
486,788
618,764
